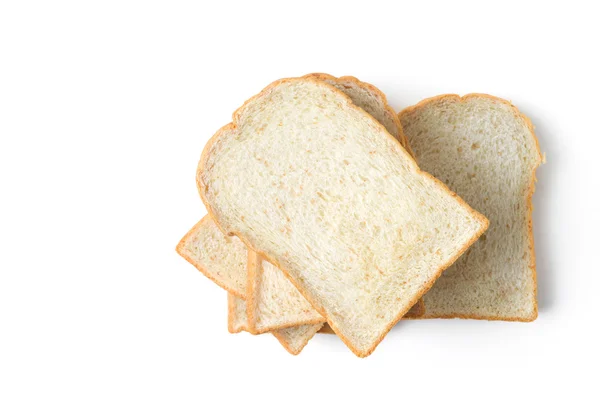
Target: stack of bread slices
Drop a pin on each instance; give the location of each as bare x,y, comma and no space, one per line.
328,212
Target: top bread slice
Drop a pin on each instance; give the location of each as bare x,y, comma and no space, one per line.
485,150
321,189
273,302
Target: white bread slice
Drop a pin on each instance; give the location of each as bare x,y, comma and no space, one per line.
321,190
272,301
220,258
292,339
485,150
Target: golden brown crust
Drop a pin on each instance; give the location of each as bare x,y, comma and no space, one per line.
202,188
200,267
527,121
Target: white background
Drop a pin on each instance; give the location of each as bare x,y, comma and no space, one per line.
105,107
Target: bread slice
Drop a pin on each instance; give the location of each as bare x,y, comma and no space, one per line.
220,258
292,339
272,301
321,190
485,150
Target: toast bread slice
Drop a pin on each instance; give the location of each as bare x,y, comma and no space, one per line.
272,301
486,151
220,258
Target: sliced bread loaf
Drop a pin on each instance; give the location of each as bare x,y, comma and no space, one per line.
324,192
485,150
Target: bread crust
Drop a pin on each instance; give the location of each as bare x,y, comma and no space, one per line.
205,271
202,189
530,127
